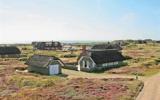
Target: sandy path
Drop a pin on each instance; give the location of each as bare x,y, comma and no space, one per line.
77,74
151,90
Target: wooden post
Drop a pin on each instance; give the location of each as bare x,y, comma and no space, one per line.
136,75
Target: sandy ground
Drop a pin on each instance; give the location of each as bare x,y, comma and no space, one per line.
80,74
151,90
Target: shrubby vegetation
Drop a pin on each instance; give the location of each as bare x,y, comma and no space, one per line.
33,81
69,55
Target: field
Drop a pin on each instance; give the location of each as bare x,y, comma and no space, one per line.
145,60
114,84
83,89
21,85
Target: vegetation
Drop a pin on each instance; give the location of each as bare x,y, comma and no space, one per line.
33,81
144,62
82,89
31,86
69,55
15,82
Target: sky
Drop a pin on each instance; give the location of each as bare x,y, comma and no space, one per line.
81,20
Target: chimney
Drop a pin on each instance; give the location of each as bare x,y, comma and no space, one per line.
83,49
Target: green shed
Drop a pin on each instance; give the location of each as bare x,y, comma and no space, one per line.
48,65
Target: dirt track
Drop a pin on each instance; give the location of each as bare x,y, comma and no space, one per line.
151,90
80,74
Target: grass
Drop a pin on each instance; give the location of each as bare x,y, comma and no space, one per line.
83,89
150,72
35,86
34,81
134,88
144,56
27,51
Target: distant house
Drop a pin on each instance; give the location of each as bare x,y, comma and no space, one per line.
51,45
67,48
48,65
99,59
9,51
158,41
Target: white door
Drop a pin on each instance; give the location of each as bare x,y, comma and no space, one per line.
54,69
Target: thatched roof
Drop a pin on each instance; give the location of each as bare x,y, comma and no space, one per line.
107,46
40,60
104,56
49,44
6,50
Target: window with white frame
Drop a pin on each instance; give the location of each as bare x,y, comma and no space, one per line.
85,64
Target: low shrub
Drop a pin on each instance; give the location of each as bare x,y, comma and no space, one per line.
31,81
127,57
23,59
69,55
25,48
23,55
71,67
157,60
138,73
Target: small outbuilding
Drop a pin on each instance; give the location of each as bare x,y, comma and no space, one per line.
48,65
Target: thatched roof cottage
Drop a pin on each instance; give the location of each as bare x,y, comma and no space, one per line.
9,51
48,65
50,45
99,59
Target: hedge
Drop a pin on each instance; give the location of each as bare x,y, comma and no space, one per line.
71,67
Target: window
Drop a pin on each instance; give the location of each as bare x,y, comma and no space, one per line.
86,64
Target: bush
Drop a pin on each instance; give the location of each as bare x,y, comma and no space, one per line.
23,59
23,55
91,70
138,73
71,67
157,60
69,55
24,48
127,57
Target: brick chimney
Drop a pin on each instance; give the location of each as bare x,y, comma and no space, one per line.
84,51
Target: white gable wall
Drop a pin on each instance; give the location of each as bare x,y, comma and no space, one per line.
54,69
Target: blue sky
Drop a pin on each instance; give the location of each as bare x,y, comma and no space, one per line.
28,20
